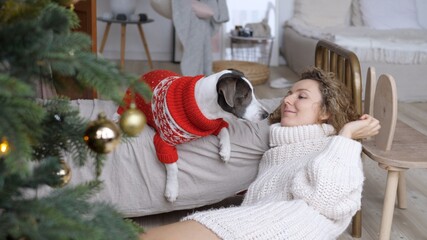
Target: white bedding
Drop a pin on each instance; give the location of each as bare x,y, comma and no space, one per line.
134,179
402,46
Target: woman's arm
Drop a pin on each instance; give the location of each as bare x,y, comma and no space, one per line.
332,182
366,126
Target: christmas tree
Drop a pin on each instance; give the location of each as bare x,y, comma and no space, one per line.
37,43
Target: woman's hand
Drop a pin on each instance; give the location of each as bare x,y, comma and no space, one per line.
366,126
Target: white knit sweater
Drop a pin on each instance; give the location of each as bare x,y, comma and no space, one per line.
309,186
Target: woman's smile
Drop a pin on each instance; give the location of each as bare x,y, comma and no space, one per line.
288,112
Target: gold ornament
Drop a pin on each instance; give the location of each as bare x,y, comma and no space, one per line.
63,175
4,147
132,121
102,135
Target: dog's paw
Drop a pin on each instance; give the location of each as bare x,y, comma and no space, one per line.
225,152
171,191
224,145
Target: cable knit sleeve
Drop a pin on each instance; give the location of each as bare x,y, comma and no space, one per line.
332,182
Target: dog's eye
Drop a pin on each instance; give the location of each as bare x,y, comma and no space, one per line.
240,99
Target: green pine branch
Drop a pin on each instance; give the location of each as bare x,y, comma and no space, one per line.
19,117
37,43
65,214
62,131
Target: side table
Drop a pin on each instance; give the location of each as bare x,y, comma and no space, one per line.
251,49
123,37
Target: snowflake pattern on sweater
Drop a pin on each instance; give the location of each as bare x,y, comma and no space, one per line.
166,126
308,186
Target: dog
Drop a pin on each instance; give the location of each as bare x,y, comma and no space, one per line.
184,108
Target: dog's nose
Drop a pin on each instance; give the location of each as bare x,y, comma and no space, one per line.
264,115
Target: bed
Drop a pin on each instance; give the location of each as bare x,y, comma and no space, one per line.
134,179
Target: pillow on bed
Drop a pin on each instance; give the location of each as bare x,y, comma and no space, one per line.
389,14
323,13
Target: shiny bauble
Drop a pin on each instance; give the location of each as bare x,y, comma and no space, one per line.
63,175
132,121
102,135
4,147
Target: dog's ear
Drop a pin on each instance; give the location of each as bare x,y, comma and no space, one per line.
227,87
236,72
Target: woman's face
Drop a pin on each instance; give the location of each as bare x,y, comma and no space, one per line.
302,105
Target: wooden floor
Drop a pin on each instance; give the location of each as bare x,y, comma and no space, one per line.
407,224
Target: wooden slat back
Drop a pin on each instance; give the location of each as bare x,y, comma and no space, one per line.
345,64
371,84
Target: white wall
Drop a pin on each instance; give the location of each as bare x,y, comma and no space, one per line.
285,10
159,34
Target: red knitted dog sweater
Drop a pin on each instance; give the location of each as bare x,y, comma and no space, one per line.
172,112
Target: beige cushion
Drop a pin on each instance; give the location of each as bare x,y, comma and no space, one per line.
323,13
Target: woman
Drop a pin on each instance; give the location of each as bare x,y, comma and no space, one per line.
309,182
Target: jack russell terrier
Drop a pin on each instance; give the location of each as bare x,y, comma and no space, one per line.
185,108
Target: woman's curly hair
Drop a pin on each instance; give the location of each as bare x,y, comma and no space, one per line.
336,98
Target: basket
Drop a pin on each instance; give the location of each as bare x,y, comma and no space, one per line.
256,73
252,49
